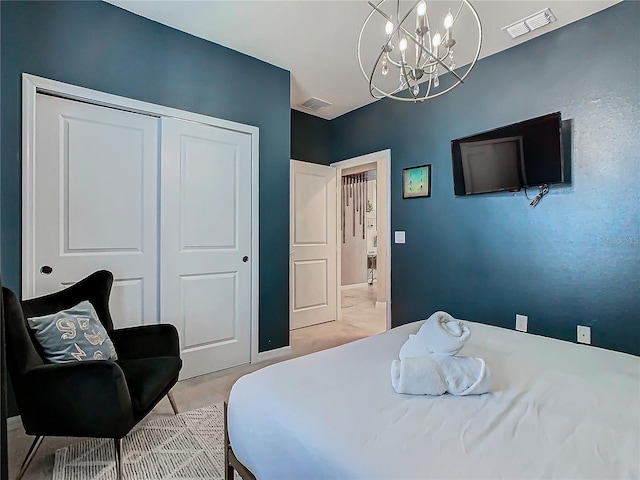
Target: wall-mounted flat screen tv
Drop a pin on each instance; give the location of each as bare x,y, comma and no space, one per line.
524,154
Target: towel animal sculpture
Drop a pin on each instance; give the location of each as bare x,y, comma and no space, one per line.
428,365
440,334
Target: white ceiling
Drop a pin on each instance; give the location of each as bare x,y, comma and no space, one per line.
316,40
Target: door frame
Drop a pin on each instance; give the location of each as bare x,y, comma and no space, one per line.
32,85
384,155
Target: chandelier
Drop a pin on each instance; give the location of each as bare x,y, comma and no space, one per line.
415,52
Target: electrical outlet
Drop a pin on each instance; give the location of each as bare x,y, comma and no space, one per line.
584,334
521,322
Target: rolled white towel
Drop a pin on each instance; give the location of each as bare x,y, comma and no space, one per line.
437,374
417,376
440,334
465,375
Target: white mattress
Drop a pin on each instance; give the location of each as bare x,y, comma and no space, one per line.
556,410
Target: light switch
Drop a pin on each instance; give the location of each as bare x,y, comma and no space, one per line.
399,237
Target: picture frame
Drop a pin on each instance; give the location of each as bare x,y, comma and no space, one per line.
416,181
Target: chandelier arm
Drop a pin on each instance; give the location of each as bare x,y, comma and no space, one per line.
413,39
426,94
455,17
440,62
394,63
388,95
428,34
406,78
382,94
373,71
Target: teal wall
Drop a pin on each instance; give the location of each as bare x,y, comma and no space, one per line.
575,258
102,47
310,138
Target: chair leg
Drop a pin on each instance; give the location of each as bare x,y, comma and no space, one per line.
173,403
118,447
30,454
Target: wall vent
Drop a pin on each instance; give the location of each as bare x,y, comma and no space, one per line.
530,23
314,104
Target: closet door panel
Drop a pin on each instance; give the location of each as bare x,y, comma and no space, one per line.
96,205
206,243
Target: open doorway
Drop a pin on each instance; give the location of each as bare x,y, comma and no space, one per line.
364,227
359,250
317,317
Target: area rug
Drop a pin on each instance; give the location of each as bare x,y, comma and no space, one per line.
184,446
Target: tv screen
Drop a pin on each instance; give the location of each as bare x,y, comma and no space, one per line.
523,154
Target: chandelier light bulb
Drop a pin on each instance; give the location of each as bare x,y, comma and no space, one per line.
422,9
403,44
448,20
388,28
436,40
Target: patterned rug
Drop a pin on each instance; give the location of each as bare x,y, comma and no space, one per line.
184,446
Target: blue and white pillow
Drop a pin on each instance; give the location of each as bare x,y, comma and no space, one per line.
73,335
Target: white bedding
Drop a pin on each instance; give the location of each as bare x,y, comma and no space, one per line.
557,410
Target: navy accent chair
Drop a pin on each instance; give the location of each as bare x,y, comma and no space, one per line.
93,398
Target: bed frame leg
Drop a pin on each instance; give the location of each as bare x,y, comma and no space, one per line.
228,468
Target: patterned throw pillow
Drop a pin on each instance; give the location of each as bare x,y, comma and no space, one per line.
73,335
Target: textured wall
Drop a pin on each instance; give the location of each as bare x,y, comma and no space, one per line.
99,46
310,138
575,258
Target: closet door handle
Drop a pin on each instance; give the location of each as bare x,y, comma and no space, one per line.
245,259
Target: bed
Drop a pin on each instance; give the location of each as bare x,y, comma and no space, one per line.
556,410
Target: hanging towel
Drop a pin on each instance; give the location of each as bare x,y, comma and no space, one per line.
440,334
437,374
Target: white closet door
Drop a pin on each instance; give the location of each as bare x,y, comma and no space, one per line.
206,243
96,203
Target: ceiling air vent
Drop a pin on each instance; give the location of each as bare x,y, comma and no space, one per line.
314,104
532,22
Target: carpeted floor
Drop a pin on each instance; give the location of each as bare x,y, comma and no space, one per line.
184,446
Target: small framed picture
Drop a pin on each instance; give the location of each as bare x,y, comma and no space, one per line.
416,182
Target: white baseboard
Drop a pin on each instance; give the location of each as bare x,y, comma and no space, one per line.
271,354
14,423
354,285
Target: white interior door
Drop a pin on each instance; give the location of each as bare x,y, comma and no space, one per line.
95,201
206,243
312,263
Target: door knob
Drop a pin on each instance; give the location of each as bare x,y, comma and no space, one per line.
46,270
245,259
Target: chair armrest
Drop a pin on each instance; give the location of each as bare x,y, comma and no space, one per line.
145,341
79,399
